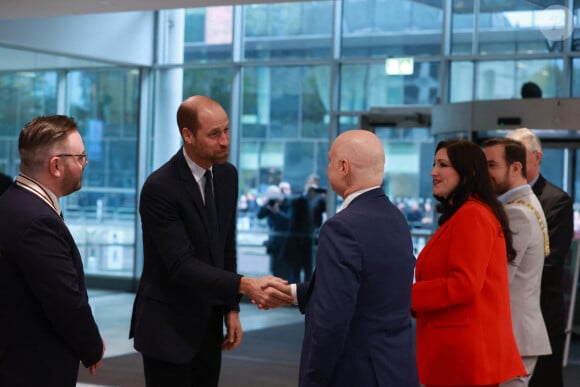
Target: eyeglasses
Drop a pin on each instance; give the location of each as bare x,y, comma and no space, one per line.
84,157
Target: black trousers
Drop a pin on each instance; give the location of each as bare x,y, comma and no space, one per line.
548,371
202,371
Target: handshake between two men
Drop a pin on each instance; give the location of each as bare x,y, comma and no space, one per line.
267,292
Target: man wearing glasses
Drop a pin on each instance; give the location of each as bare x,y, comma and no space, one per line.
46,323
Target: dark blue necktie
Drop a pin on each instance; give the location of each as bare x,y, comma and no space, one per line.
210,204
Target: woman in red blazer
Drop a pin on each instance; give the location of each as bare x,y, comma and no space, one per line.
461,295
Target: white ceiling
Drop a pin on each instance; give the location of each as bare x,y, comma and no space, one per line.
19,9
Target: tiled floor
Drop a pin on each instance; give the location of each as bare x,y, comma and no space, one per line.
113,314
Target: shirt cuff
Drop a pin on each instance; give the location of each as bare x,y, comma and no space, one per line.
294,294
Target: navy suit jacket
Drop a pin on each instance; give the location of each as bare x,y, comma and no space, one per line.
46,323
185,275
358,327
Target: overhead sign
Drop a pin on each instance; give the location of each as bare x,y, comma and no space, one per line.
399,66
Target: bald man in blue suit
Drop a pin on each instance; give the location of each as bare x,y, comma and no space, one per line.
358,327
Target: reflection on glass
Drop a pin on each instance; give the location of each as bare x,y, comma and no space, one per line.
515,27
575,77
407,183
461,82
24,96
208,34
462,27
387,28
509,27
288,30
504,79
214,82
366,85
286,102
101,216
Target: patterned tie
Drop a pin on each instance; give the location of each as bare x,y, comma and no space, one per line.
210,204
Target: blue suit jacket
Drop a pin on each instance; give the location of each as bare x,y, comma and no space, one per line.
185,274
358,328
46,323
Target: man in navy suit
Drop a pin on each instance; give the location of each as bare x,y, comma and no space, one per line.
46,323
189,286
5,182
358,328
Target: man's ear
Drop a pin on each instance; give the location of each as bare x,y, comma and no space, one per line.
55,166
517,166
187,135
344,167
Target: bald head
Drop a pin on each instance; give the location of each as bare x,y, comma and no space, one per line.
356,161
188,114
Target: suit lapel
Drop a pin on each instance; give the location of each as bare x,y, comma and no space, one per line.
220,189
539,186
194,193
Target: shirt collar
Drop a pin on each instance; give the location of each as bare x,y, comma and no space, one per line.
39,190
504,196
197,171
353,196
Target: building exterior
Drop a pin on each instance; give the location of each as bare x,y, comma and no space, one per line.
291,76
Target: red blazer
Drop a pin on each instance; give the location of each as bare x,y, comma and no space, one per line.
461,303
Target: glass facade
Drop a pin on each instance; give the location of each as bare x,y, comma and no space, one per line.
298,30
292,76
101,216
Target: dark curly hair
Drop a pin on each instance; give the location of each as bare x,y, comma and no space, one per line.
469,162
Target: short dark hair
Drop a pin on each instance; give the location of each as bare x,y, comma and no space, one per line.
514,151
40,135
531,90
187,114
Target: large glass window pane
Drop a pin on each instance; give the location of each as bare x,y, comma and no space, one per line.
575,77
24,96
208,34
576,27
513,27
504,79
553,165
286,102
284,137
407,182
284,128
381,28
101,216
461,81
367,85
288,30
214,82
462,27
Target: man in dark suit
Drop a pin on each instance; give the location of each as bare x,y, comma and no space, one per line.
5,182
277,215
189,284
306,215
46,323
557,206
358,328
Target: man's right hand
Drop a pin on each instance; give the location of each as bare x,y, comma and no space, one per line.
267,292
